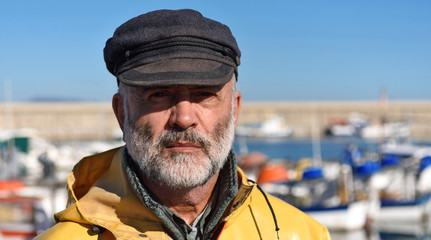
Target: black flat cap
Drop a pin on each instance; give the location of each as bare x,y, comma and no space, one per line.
172,47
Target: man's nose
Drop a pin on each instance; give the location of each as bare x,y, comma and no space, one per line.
183,115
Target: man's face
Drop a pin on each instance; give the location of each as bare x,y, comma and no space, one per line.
180,136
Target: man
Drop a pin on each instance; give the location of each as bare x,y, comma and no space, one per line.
176,177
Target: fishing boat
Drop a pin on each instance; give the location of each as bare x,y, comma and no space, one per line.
348,217
404,230
320,194
404,148
398,178
417,210
350,127
21,217
405,190
325,191
274,126
29,193
386,130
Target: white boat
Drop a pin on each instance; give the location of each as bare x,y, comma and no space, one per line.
405,148
403,230
387,130
347,128
415,211
272,127
323,196
25,155
350,217
405,189
21,217
339,130
339,212
27,205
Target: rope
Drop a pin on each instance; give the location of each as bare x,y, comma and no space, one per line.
269,205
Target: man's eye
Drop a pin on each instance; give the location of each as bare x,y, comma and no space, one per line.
205,94
158,95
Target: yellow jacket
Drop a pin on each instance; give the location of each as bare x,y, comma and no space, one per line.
100,195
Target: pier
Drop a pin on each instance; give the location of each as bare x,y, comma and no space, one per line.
90,120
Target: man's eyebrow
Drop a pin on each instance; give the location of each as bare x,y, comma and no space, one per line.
216,88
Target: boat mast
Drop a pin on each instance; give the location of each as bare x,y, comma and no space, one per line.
8,103
8,160
315,141
382,119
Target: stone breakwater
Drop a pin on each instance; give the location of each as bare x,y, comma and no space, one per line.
79,120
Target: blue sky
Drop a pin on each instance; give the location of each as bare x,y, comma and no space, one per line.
291,50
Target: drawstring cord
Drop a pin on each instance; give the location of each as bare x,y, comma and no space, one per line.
269,205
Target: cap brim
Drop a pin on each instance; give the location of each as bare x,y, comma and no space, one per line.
179,71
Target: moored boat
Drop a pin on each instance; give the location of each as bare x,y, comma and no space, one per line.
323,193
21,217
272,127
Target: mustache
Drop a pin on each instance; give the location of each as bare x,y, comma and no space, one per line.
170,136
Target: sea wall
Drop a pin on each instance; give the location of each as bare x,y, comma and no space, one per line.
303,115
78,120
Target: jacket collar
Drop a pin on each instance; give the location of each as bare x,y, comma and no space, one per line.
100,194
110,202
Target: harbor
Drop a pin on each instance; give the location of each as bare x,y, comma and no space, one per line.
326,174
295,157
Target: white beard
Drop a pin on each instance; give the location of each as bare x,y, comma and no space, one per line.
179,170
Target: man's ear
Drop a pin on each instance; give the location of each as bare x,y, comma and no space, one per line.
118,107
237,106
